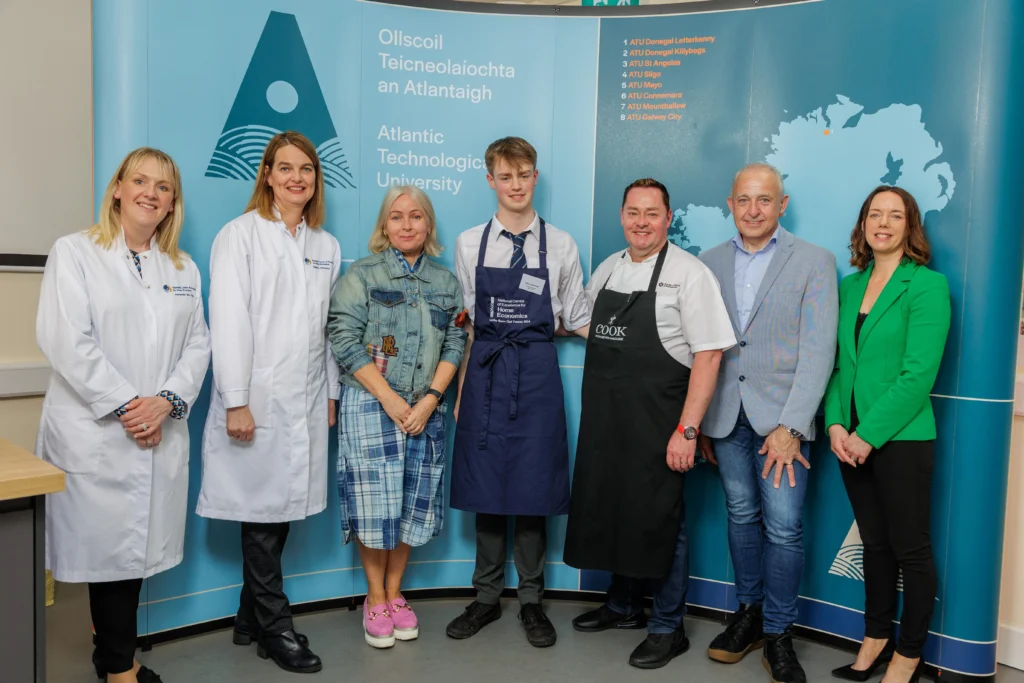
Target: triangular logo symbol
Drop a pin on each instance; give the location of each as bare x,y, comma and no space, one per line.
279,92
849,561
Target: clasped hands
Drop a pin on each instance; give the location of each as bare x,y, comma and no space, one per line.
411,420
849,448
144,419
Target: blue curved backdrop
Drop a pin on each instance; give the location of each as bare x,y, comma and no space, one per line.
839,94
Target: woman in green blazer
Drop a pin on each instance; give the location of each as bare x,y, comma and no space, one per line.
893,320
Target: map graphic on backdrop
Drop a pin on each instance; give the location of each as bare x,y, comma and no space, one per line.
814,151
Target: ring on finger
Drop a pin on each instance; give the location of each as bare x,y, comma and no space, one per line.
144,426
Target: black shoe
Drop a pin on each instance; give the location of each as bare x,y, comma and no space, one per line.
848,673
742,635
288,653
469,623
659,649
780,659
145,675
245,634
540,632
604,618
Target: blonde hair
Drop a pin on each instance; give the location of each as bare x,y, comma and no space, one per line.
262,199
517,152
106,231
379,239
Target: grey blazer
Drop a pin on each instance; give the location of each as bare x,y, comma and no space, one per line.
785,354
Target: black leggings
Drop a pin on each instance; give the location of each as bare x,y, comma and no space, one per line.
114,606
891,498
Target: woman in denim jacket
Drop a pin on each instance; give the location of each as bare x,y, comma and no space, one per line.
393,332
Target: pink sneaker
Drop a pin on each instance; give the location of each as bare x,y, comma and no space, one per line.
407,627
377,626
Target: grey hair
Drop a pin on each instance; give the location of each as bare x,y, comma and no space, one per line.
762,166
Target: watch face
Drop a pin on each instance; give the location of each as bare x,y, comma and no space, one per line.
690,433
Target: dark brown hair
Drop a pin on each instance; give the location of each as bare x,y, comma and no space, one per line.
915,246
648,182
517,152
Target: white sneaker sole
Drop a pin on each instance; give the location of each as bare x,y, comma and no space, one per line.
407,634
379,642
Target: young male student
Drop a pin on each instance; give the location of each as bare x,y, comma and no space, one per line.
521,279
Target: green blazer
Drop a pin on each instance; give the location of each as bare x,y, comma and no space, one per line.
893,368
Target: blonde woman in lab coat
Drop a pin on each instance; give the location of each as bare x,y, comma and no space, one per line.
272,271
121,322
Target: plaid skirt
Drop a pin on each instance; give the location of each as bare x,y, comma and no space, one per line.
390,485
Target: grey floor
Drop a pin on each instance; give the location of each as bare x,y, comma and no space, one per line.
498,653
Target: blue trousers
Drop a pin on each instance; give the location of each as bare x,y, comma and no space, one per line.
765,525
626,595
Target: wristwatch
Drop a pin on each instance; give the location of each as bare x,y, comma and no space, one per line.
792,432
435,393
689,433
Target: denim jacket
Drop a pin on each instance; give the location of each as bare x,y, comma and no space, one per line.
403,322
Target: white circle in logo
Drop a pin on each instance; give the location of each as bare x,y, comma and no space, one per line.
282,97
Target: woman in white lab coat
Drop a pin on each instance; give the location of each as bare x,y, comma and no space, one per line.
121,322
272,272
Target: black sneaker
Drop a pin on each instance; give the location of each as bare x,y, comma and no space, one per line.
742,635
780,659
658,649
469,623
540,632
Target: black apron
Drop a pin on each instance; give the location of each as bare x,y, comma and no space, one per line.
626,503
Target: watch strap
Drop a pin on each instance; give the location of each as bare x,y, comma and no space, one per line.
435,393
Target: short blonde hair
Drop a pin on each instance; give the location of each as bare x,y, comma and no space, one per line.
262,199
379,239
107,230
517,152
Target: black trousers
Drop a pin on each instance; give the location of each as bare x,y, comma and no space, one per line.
529,549
262,602
114,606
891,498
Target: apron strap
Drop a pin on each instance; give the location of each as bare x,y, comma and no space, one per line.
488,359
651,287
543,244
656,275
483,245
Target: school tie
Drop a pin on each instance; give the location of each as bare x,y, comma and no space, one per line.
518,257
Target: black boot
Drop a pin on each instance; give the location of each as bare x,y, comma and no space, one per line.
780,659
246,632
540,632
469,623
742,634
288,653
604,618
659,649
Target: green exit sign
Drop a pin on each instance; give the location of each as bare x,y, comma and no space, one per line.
610,3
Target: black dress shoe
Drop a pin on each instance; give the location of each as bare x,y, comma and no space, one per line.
742,635
540,632
145,675
659,649
848,673
469,623
245,634
780,659
604,618
288,653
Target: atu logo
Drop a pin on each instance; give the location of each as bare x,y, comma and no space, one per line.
849,561
279,92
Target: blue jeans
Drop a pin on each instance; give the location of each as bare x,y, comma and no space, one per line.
626,595
765,525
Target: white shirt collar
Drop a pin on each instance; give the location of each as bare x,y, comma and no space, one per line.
497,227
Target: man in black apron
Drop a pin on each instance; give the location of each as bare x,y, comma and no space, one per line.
511,456
658,330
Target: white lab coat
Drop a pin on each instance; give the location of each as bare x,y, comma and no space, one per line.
110,335
269,294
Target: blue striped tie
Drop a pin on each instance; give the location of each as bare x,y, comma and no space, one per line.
518,257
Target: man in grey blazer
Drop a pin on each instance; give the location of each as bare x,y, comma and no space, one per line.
781,295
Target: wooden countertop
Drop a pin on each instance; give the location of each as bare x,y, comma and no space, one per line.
22,474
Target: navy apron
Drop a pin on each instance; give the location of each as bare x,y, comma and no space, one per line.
511,453
626,502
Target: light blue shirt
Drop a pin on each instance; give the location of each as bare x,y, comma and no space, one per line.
749,271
